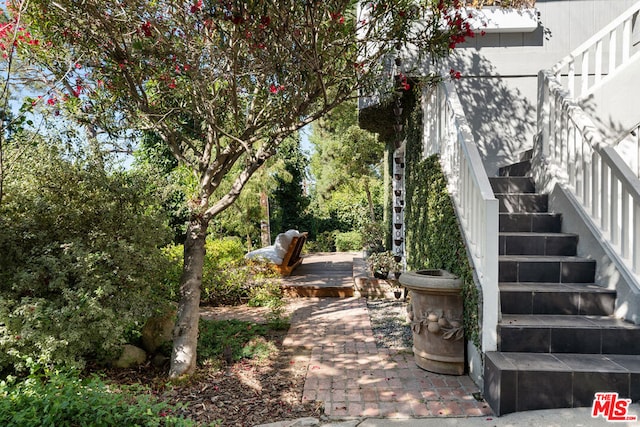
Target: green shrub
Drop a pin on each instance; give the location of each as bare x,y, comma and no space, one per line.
225,252
269,294
227,277
63,399
264,294
325,242
372,236
349,241
81,267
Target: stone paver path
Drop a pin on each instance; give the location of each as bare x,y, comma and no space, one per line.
354,378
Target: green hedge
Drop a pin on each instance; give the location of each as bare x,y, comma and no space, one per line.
349,241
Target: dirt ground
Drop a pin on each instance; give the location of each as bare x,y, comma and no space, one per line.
244,393
251,392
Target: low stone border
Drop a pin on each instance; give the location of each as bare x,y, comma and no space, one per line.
366,286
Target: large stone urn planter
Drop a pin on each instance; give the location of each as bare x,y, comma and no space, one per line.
435,313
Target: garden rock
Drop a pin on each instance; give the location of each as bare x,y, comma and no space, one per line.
131,356
157,331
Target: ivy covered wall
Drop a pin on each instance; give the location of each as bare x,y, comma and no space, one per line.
433,238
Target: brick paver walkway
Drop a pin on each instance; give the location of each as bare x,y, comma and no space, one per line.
354,378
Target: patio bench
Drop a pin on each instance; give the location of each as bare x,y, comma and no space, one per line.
285,253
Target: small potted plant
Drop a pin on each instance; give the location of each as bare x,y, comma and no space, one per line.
383,263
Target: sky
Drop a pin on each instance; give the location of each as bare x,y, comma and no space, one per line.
305,144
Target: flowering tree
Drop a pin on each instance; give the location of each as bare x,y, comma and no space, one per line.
13,75
223,83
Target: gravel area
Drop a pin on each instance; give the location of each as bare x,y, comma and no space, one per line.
389,323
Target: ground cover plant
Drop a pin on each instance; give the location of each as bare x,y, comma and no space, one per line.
244,377
232,340
62,398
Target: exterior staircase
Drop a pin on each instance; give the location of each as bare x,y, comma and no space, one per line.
558,342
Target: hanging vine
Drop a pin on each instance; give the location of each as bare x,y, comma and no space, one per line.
433,238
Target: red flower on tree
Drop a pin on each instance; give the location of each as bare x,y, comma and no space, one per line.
196,7
265,21
337,17
403,83
146,29
275,89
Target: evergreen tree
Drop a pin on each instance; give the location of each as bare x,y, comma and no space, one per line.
288,203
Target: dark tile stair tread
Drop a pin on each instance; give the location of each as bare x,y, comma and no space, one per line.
518,163
512,184
543,258
530,215
526,155
542,287
530,221
591,362
517,193
565,362
520,168
501,177
564,321
536,233
539,214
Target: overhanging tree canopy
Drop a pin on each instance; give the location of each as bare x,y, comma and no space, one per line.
222,82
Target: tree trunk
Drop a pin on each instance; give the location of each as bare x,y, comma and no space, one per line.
372,212
185,333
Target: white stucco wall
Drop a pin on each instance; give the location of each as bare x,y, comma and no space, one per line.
499,84
615,104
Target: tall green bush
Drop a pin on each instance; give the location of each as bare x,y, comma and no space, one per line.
81,267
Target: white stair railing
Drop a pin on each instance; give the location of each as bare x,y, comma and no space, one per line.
600,180
628,146
600,56
447,133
